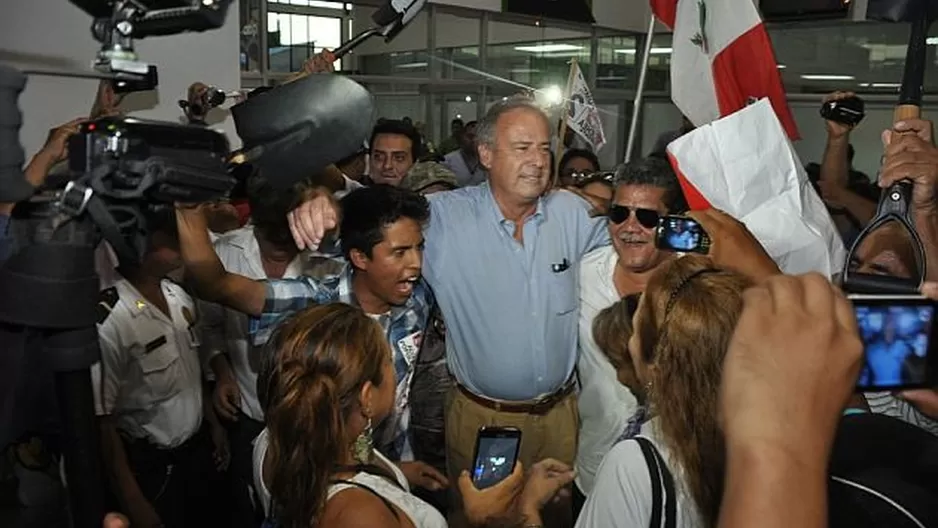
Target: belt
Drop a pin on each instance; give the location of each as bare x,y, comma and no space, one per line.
539,406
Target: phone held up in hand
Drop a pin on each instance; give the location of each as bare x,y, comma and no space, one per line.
899,341
681,234
496,453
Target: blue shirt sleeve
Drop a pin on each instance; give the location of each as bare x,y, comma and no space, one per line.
592,230
284,298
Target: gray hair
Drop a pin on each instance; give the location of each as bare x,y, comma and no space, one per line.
485,131
654,171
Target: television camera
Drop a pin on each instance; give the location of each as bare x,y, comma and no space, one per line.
120,168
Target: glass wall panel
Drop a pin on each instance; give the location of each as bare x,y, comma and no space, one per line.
535,56
457,45
250,14
293,38
405,56
865,57
616,66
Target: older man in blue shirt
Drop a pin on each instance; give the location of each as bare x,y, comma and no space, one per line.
502,259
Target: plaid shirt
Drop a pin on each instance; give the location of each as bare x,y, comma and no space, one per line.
403,326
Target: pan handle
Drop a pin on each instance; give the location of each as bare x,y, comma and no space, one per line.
344,49
906,111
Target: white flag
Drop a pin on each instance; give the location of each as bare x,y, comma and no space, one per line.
745,165
582,114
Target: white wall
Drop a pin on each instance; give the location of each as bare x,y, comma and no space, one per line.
50,34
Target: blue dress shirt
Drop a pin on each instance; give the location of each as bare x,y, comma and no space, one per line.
511,310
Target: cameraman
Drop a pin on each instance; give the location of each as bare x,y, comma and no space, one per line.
53,152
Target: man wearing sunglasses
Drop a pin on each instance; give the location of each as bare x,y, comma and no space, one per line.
644,191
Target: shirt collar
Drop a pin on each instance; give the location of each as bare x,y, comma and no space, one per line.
347,295
539,216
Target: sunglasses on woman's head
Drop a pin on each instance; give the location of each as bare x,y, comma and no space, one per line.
581,179
648,218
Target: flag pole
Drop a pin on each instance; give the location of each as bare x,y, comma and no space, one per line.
640,91
561,146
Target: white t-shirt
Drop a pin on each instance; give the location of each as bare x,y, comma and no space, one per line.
226,330
421,514
622,491
605,405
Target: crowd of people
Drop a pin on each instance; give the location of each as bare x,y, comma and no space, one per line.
326,355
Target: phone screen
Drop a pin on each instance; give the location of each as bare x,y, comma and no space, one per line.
678,233
496,454
897,334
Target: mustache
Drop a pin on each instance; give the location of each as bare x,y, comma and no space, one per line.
630,237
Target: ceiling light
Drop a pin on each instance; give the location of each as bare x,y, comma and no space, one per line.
932,41
468,98
411,66
548,48
781,66
825,77
654,51
880,85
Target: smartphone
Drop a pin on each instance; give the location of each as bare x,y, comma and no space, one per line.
899,341
682,234
496,454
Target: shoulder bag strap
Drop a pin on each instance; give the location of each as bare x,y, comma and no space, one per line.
651,460
670,502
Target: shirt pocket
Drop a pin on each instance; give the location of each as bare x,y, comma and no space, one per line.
159,373
563,292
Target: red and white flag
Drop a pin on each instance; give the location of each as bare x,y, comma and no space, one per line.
721,60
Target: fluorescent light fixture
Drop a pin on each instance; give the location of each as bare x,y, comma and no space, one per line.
880,85
468,98
654,51
412,66
781,66
825,77
525,70
932,41
548,48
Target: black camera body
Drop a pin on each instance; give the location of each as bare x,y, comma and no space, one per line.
151,160
848,111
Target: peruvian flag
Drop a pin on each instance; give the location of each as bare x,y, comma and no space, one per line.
721,60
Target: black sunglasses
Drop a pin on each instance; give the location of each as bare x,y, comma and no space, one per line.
648,218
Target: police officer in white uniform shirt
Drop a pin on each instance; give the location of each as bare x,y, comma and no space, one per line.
163,458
